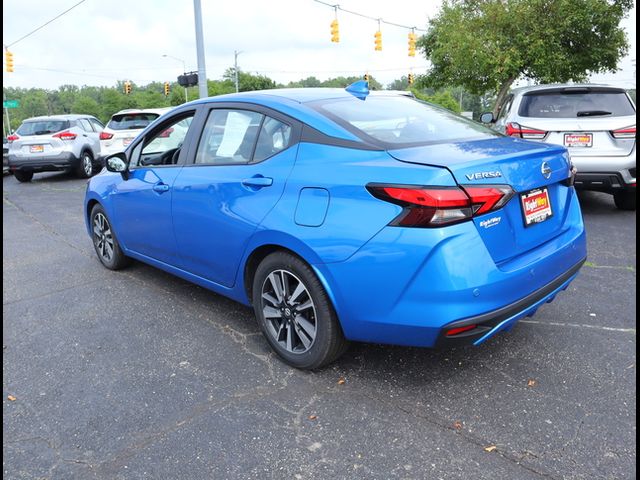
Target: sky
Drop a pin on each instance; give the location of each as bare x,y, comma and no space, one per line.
100,42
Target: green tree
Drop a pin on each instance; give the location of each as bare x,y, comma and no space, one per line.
485,45
86,105
248,82
401,83
442,98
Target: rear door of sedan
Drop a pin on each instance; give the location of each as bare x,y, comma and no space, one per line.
235,176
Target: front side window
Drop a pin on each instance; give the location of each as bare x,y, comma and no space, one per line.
163,146
398,121
229,137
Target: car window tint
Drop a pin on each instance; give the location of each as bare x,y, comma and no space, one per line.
229,137
97,126
42,127
506,106
85,125
575,104
163,147
400,121
274,137
131,121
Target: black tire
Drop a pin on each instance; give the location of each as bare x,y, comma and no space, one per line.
86,167
328,342
23,176
625,200
105,242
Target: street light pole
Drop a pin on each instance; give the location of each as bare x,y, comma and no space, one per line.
202,71
184,71
235,66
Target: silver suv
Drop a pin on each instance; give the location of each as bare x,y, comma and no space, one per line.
597,124
56,142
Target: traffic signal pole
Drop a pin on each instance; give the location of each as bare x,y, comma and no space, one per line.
202,71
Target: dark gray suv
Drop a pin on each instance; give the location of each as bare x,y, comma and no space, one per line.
56,142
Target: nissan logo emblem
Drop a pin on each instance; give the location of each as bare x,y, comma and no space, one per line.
545,169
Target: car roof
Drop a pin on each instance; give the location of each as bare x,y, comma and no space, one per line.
159,111
70,116
556,86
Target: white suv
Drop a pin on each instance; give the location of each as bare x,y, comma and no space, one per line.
597,124
53,143
124,126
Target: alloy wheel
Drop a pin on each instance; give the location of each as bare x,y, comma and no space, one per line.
102,237
289,311
87,165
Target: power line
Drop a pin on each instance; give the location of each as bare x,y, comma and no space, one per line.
45,24
380,20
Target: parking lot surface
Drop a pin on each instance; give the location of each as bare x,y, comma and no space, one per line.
138,374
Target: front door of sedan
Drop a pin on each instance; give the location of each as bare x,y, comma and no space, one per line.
236,177
142,203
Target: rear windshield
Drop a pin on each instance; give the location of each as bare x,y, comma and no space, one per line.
42,127
400,121
576,104
131,121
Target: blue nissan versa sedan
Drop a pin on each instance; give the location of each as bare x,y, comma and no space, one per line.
344,215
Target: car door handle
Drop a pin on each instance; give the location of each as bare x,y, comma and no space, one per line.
161,187
257,182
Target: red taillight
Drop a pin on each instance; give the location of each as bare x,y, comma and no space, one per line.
626,132
486,198
437,206
106,136
514,129
457,330
12,138
66,135
166,133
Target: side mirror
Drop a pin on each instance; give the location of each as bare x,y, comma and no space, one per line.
117,163
487,117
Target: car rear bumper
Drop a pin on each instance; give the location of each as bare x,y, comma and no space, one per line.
407,286
51,163
603,182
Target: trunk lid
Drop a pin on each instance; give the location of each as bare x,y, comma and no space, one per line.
505,161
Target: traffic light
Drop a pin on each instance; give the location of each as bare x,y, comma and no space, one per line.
410,79
378,40
8,60
412,44
127,87
366,77
335,31
166,89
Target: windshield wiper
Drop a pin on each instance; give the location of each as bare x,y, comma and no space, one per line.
592,113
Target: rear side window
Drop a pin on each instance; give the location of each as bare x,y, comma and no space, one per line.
575,104
42,127
131,121
400,121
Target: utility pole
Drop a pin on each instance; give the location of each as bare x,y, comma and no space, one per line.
235,67
6,110
202,71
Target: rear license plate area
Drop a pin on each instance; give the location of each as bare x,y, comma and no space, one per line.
580,140
536,206
36,148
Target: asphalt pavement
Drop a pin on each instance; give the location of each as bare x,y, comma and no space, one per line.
137,374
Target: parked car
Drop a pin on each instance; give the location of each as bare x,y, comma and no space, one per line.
53,143
5,156
597,123
123,127
340,215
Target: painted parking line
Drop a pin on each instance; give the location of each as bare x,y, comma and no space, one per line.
582,325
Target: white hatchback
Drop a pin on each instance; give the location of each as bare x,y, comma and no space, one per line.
124,126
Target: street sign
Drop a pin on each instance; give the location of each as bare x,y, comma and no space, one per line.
11,104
